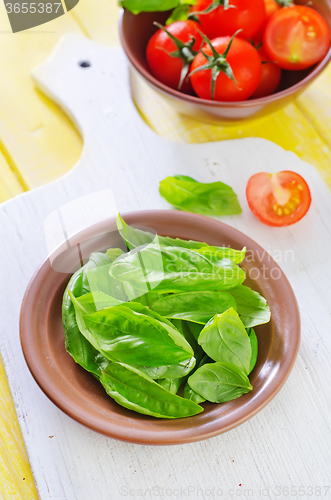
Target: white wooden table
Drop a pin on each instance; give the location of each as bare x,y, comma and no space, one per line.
285,449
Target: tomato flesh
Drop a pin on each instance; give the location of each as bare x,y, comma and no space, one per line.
278,199
270,78
296,37
246,66
248,15
164,67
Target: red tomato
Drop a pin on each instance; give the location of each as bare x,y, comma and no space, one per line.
246,66
248,15
271,6
164,67
278,199
270,78
296,37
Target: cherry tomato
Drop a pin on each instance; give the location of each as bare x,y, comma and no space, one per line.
248,15
246,66
270,78
165,67
271,6
278,199
296,37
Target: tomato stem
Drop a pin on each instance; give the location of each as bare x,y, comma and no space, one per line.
184,50
214,5
217,63
284,3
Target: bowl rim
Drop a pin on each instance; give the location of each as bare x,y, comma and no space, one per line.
36,355
300,86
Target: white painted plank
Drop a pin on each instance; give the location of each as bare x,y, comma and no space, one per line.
288,443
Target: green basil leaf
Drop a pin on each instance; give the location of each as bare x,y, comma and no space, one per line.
192,395
198,307
224,338
219,382
168,371
134,237
188,392
96,301
184,177
81,314
134,390
141,309
217,254
76,344
136,6
148,299
171,384
254,347
215,198
113,253
251,306
96,277
180,13
83,306
131,337
172,269
183,328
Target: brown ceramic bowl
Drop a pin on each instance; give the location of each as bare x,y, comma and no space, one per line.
79,395
136,30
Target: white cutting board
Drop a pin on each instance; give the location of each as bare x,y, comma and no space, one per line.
286,444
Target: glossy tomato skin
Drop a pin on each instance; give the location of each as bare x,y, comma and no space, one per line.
270,78
246,66
278,199
271,6
248,15
165,68
296,37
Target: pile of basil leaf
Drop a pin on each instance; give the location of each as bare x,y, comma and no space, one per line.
168,314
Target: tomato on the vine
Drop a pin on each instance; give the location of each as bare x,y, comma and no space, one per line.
296,37
231,15
278,199
270,78
238,73
168,59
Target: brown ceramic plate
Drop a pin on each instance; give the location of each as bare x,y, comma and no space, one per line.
80,396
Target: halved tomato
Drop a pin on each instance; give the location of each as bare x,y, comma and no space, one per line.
296,37
278,199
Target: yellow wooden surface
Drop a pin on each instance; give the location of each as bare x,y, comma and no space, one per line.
38,144
16,481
